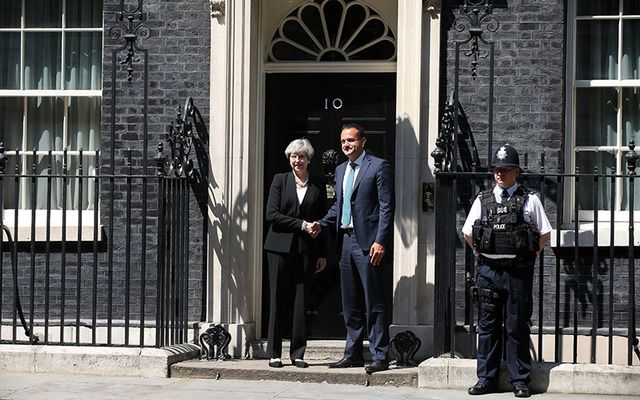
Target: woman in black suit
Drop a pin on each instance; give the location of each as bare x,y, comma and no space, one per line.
294,250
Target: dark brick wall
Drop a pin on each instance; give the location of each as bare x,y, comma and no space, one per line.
529,76
177,37
529,112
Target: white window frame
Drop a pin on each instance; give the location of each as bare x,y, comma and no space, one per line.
56,216
587,216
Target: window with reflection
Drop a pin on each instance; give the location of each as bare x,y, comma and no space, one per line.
50,94
606,99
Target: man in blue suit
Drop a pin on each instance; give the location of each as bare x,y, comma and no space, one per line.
363,218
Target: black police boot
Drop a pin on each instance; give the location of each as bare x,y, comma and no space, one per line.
520,389
481,388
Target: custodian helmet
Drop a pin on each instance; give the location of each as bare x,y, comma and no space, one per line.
506,156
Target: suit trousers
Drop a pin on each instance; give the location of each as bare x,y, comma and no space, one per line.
361,282
509,302
288,275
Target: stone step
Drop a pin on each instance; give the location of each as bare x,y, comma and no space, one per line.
327,350
317,372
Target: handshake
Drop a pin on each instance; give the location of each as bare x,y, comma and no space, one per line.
312,228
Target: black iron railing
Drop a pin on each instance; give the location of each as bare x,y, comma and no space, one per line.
585,281
77,284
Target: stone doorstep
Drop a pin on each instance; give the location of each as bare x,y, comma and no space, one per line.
328,350
317,372
459,374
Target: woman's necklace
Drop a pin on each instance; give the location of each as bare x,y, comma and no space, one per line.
301,183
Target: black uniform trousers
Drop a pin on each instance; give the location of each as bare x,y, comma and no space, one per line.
363,306
508,301
288,275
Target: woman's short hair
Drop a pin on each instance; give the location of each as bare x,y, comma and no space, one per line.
299,146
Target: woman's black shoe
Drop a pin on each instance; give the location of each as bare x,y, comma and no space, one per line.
275,363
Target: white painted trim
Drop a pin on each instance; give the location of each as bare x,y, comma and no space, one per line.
607,83
50,93
586,237
55,225
331,67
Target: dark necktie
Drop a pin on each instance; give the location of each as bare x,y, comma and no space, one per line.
504,196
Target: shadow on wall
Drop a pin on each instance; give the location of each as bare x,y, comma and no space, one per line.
199,186
403,219
422,297
227,242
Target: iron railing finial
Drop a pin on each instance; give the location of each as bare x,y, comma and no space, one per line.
631,158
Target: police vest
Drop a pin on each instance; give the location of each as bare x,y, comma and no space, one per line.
502,228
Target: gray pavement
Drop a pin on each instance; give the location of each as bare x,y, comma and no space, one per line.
25,386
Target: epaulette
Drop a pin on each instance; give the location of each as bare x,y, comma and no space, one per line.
486,197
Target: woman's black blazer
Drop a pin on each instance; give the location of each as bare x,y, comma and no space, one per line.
285,215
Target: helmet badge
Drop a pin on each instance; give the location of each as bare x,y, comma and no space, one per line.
502,153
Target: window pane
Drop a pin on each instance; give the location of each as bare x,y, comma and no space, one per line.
42,60
43,13
9,185
597,50
10,60
10,11
631,7
84,123
597,7
11,122
631,115
84,13
596,116
631,49
83,60
44,126
27,191
587,162
81,197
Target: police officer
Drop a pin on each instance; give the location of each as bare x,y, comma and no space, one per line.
507,228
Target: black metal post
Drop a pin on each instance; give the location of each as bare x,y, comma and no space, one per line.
47,268
594,266
612,219
632,158
3,165
79,251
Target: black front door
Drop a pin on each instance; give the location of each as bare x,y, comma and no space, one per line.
315,106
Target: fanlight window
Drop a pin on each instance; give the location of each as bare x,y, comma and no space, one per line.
333,30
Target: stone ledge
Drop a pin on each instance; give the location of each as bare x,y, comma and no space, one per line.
87,360
317,372
447,373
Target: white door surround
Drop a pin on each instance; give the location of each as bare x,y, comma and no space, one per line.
239,62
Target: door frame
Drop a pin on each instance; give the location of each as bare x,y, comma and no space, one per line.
234,276
316,68
289,68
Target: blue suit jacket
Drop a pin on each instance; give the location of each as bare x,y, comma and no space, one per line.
372,202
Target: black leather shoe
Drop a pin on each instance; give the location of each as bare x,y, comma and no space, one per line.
347,363
521,389
276,364
377,366
300,363
481,388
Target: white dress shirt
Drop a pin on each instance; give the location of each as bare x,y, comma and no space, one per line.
358,163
